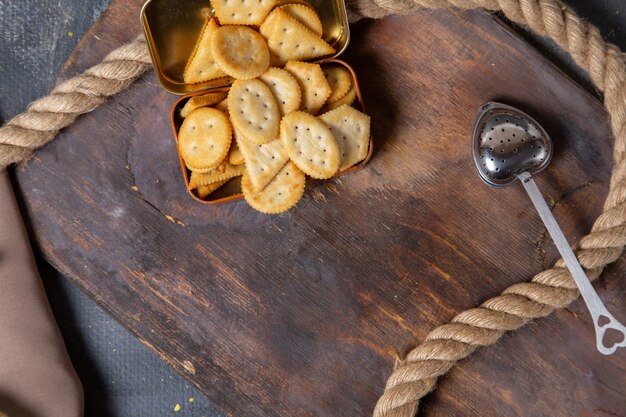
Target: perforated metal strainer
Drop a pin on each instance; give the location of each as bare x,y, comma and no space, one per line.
508,145
508,142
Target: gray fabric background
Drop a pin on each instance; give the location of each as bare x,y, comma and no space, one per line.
120,376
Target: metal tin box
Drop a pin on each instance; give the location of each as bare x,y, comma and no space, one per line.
172,28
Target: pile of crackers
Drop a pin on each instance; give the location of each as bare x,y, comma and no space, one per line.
282,118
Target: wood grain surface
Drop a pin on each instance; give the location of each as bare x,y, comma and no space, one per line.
304,313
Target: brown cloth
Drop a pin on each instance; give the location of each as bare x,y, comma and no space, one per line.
36,376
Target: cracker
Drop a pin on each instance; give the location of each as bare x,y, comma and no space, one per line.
302,13
282,193
201,101
305,15
348,99
199,179
204,191
242,12
285,88
351,128
254,111
235,156
240,52
223,106
340,81
288,40
315,88
201,65
267,27
204,138
262,161
310,144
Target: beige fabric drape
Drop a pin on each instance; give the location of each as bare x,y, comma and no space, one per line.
36,376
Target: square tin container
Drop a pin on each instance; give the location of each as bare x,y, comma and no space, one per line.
172,28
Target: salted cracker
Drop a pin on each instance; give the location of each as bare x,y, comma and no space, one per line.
223,106
305,15
351,128
285,89
262,161
348,99
204,100
282,193
234,155
301,12
201,65
242,12
315,88
199,179
254,111
310,144
204,191
289,39
204,139
240,52
339,79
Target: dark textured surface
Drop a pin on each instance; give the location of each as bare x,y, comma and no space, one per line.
121,378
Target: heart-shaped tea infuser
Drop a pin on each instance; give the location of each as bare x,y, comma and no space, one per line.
508,145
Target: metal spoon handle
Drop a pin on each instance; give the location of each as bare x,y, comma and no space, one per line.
602,319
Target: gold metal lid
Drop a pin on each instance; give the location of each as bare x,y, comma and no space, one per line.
172,28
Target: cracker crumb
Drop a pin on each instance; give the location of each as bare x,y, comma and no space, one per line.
177,408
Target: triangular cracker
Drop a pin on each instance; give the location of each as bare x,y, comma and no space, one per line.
290,39
351,128
305,15
262,161
201,65
302,13
315,88
268,24
242,12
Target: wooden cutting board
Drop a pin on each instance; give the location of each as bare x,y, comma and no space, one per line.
303,314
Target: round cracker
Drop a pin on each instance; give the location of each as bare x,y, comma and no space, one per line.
254,111
204,138
285,89
240,52
310,144
340,81
282,193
